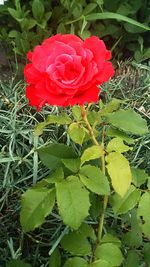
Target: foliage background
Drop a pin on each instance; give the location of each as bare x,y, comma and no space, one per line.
25,24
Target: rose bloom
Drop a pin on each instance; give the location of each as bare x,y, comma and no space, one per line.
65,70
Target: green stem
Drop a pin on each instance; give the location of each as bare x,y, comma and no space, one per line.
101,222
105,201
84,116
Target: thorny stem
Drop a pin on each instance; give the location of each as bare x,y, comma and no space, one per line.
101,221
84,116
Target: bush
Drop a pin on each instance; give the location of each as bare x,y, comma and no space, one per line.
122,24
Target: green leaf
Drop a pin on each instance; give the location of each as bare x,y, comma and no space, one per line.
42,24
76,243
146,54
100,263
110,253
15,14
132,6
110,29
93,178
108,238
61,119
85,34
128,121
88,231
51,119
91,153
61,28
146,253
28,24
55,259
38,10
94,117
76,111
138,55
52,154
77,10
128,202
125,9
13,34
48,15
72,164
36,204
76,262
55,177
17,263
89,8
100,2
24,43
76,133
133,238
132,259
139,176
133,29
117,133
113,105
117,145
144,213
73,201
39,128
111,15
119,171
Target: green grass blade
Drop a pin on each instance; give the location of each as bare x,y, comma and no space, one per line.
111,15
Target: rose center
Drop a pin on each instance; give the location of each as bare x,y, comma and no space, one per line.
66,68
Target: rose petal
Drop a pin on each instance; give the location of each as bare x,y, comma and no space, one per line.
29,55
31,74
98,49
108,55
106,73
57,50
34,100
39,58
65,38
89,96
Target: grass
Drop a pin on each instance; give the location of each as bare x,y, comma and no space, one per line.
20,166
19,162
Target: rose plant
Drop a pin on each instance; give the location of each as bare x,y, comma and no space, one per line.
96,176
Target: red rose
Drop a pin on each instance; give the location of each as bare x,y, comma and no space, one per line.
65,70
